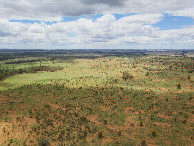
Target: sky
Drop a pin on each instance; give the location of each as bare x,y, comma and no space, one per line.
97,24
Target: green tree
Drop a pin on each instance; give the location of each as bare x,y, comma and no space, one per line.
189,77
126,76
143,143
179,86
44,142
100,135
154,134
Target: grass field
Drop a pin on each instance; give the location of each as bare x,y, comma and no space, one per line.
89,102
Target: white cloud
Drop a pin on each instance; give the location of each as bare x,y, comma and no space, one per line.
104,31
189,12
52,10
184,35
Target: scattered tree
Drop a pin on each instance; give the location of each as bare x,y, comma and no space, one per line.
126,76
179,86
153,134
143,143
100,135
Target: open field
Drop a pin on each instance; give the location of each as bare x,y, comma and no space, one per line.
96,98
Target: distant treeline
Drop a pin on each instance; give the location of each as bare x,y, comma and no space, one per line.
4,73
6,54
22,61
69,57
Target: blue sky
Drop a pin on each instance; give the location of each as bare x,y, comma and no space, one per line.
82,24
174,22
167,23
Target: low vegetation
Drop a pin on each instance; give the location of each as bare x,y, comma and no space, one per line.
4,73
113,100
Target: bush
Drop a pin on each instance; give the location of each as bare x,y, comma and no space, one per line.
100,135
44,142
179,86
126,76
141,124
153,134
143,143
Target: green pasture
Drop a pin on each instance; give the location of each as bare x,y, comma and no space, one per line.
105,72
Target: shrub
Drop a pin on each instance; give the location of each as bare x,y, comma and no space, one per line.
179,86
100,135
105,122
153,134
141,124
119,133
143,143
126,76
44,142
